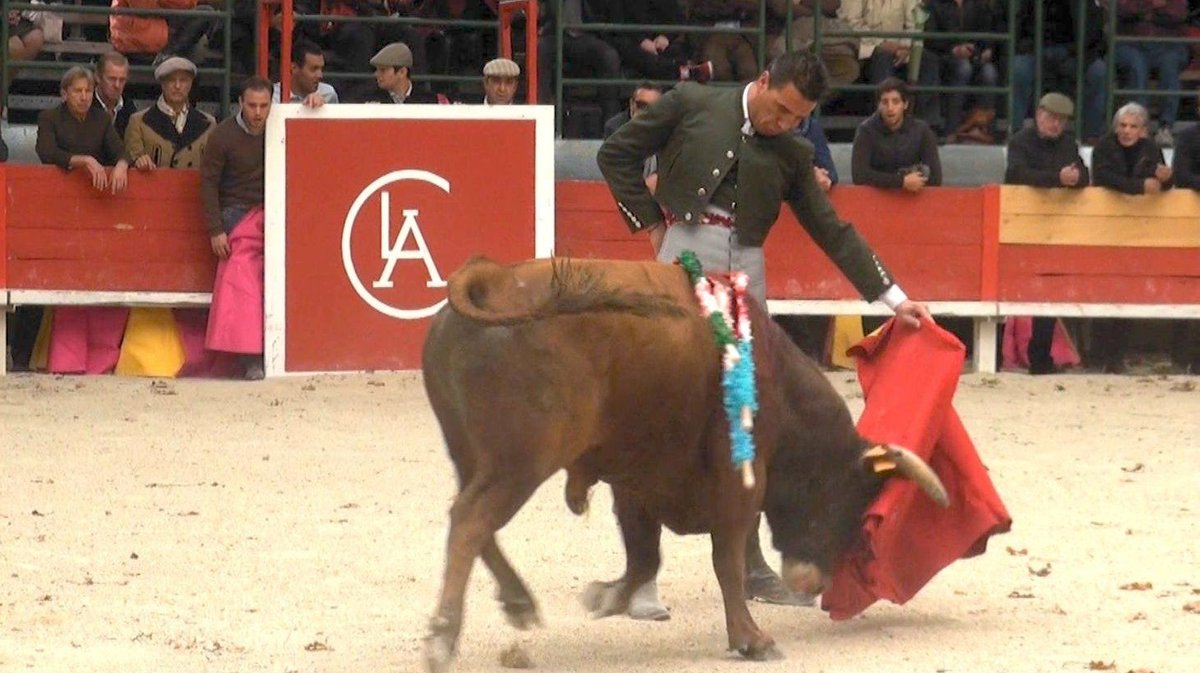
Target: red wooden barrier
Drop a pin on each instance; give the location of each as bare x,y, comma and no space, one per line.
932,241
1099,275
62,234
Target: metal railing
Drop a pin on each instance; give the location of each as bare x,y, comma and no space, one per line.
1112,91
757,34
224,14
1008,39
509,9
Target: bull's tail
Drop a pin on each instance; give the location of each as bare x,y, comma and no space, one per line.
487,292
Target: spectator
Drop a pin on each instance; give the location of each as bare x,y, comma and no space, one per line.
25,38
1185,165
731,54
500,77
393,64
839,54
112,74
1135,60
170,133
588,51
1046,156
961,63
231,189
308,71
1058,59
77,134
823,167
450,48
242,35
654,55
159,36
881,58
351,43
891,149
645,95
1128,161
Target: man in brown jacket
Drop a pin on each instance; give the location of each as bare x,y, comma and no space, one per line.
231,187
170,133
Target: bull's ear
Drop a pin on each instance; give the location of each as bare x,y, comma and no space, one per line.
888,460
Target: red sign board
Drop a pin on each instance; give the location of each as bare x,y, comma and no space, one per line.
378,213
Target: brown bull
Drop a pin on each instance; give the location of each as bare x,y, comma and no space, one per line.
606,369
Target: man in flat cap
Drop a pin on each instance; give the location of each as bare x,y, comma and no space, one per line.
393,70
1046,155
170,133
500,81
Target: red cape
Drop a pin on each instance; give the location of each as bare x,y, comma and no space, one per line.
908,379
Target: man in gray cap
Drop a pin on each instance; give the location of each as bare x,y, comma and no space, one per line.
1046,155
500,81
393,70
170,133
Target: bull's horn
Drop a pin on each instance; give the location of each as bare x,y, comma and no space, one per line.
912,467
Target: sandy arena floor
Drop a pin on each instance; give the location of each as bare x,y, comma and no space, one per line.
297,525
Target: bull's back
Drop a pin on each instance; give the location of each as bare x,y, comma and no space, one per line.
541,388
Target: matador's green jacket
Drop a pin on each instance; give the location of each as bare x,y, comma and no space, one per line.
697,133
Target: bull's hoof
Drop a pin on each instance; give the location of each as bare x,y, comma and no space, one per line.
768,588
764,652
603,599
522,614
438,654
645,605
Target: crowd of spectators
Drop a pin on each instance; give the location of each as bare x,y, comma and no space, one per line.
710,55
97,130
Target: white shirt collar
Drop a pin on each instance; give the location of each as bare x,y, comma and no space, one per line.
178,119
397,98
241,121
115,109
747,127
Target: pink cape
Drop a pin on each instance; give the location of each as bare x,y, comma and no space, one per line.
200,361
908,379
235,322
86,340
1015,351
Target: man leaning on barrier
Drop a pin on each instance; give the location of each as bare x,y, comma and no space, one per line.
1046,155
1128,161
171,133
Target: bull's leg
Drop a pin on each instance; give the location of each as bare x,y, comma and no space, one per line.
635,593
729,559
762,582
519,606
480,509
